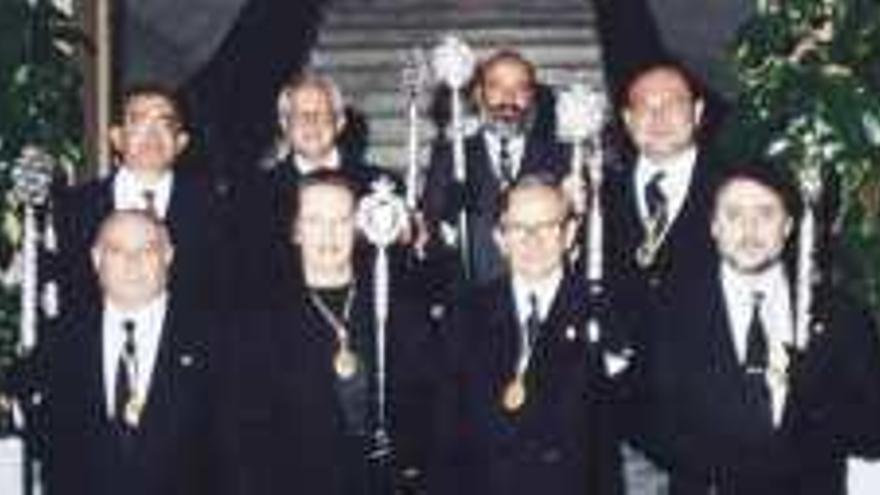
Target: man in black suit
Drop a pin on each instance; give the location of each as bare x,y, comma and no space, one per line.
311,119
742,403
532,406
129,380
149,139
315,411
657,199
508,144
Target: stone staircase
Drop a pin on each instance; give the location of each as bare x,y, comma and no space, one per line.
362,44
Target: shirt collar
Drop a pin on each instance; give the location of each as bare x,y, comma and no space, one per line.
770,281
306,166
128,191
678,171
145,317
545,290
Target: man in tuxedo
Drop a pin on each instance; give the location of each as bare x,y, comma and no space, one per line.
149,139
129,379
741,402
318,412
532,401
509,143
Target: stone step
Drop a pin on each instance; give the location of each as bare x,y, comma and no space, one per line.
497,36
395,157
374,59
388,102
362,45
358,81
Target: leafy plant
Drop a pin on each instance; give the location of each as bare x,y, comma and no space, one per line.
40,104
808,73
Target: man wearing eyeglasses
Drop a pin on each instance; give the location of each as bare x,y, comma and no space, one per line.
149,140
532,414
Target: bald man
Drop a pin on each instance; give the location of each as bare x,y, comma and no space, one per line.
130,399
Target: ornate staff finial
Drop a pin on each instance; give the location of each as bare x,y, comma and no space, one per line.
453,62
416,72
381,215
580,112
32,176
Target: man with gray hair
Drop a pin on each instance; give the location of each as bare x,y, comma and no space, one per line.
311,119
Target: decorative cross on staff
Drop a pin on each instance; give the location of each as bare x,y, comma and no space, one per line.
453,63
381,217
32,178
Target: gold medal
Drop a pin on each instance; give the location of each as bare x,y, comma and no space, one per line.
132,413
345,363
514,394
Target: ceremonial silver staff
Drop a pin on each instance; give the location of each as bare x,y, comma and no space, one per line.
32,178
415,78
580,116
453,63
810,181
381,217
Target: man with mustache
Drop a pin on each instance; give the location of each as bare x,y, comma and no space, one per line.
739,402
510,142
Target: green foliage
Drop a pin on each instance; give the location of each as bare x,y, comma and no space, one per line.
808,73
40,104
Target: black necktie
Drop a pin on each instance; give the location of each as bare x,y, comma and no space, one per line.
656,202
533,320
150,202
505,161
125,368
756,361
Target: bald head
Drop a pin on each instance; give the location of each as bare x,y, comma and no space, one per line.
132,254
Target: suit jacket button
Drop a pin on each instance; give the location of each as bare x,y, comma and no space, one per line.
551,456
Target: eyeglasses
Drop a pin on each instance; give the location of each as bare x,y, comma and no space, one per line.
522,230
313,118
168,125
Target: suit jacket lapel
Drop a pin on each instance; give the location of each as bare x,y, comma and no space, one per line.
485,180
158,409
94,351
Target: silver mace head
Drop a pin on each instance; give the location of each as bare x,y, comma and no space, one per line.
32,176
416,72
382,215
580,112
453,62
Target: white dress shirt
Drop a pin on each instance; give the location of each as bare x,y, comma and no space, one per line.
678,172
148,323
776,316
516,146
128,192
545,291
306,166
